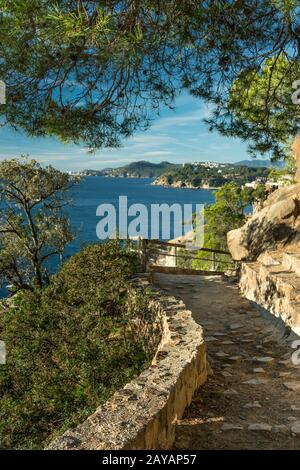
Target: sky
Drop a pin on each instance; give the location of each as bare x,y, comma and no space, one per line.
176,136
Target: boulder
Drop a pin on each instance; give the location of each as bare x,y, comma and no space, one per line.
238,250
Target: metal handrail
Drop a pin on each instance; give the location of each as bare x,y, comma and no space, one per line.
180,245
148,250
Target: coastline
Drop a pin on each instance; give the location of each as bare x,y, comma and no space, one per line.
176,185
181,185
155,182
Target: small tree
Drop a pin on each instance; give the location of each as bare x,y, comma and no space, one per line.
33,226
227,213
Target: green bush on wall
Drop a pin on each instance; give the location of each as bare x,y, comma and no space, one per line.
72,344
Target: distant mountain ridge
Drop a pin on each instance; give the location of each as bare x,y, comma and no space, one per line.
145,169
140,169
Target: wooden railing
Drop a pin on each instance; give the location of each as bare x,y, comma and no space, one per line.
177,255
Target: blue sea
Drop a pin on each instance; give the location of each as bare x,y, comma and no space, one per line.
95,190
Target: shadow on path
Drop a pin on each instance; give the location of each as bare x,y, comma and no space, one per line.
252,399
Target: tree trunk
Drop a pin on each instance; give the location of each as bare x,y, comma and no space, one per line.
296,155
38,275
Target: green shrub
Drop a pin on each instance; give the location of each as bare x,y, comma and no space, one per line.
227,213
72,344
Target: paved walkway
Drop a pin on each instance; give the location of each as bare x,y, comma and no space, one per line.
252,399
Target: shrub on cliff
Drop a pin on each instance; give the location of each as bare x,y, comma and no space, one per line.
71,345
227,213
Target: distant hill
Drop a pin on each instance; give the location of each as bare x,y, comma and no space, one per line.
144,169
259,163
207,175
141,169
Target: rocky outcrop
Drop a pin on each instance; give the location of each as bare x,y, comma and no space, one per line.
269,245
276,226
143,414
164,181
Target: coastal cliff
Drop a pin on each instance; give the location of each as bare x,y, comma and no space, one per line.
210,175
269,247
163,181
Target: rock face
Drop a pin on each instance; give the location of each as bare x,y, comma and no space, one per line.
269,245
277,225
273,282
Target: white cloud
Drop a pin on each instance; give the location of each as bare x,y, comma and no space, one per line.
184,119
219,147
149,139
158,153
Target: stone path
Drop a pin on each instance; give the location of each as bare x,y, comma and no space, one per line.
252,399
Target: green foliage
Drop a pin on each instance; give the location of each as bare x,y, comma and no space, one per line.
227,213
74,69
33,225
260,107
183,260
72,344
200,175
84,64
287,174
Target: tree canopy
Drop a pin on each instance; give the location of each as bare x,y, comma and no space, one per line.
260,107
96,71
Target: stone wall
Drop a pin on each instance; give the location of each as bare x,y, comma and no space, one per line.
143,414
273,286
